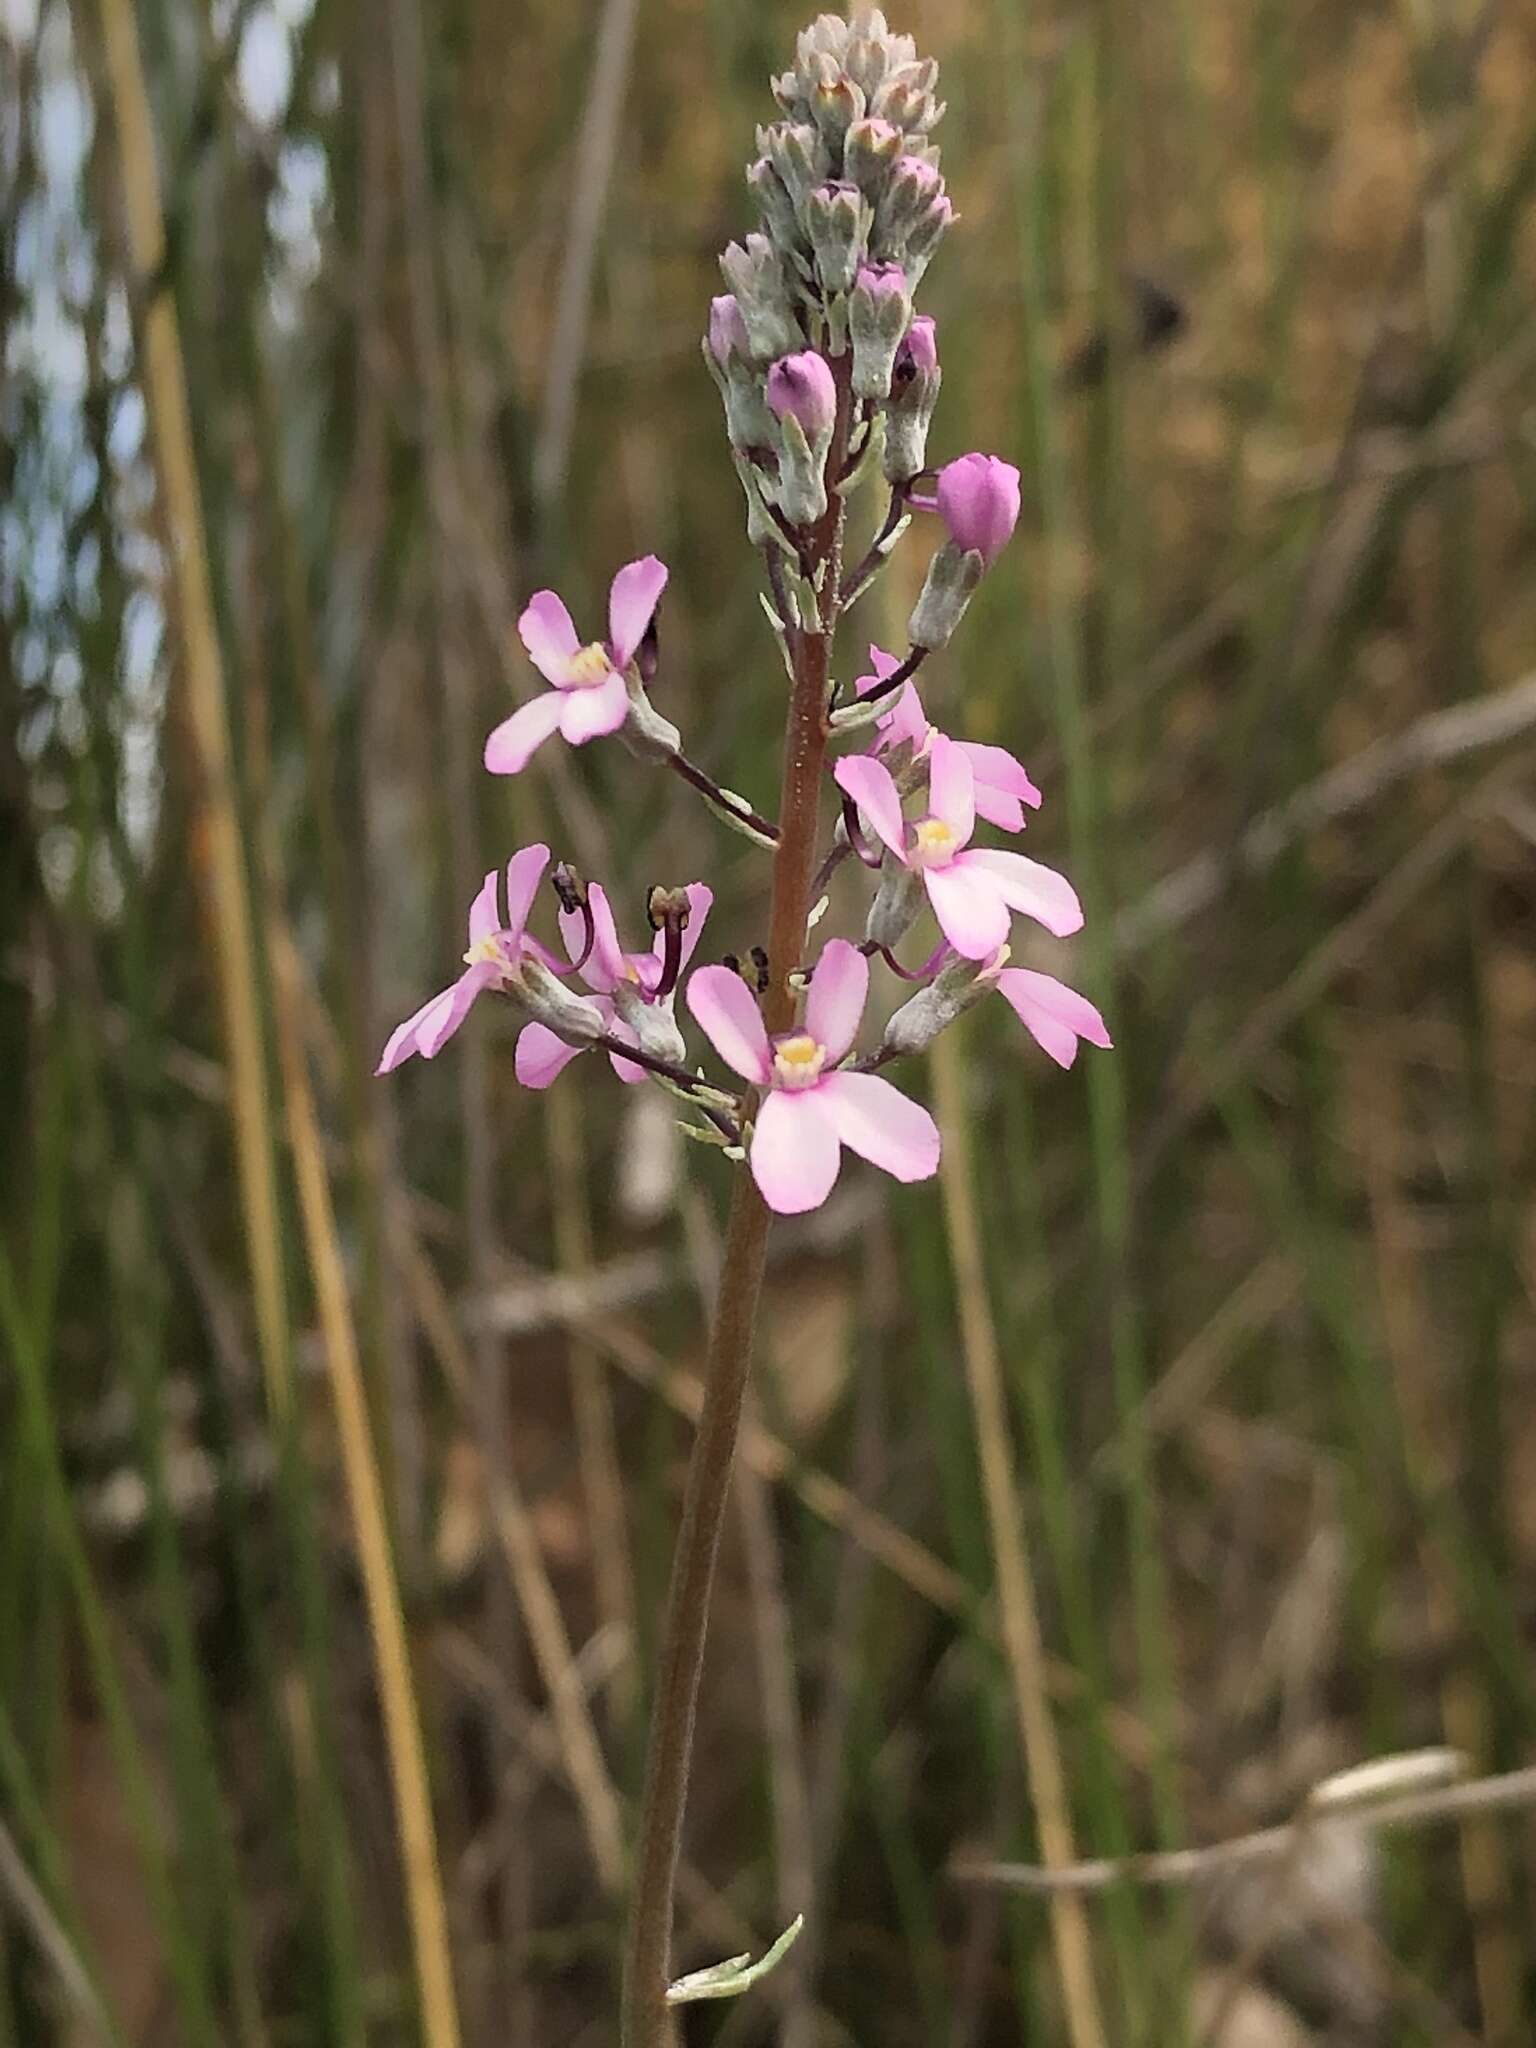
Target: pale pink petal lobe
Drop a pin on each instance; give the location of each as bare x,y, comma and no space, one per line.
971,912
540,1055
726,1012
1027,885
999,769
605,963
700,902
588,714
872,788
951,788
632,600
402,1040
794,1151
484,917
545,629
881,1124
882,664
515,741
835,1004
1055,1016
525,871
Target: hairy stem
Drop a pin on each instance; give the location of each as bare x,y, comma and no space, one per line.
647,1961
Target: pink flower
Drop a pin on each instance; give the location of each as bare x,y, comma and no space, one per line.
541,1054
1003,785
810,1109
801,387
587,696
1055,1016
972,890
496,950
977,498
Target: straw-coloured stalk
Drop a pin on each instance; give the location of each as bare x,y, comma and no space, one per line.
170,426
365,1494
1017,1610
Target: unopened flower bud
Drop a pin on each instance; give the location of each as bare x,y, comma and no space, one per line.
910,190
727,329
918,1022
870,148
906,97
652,1023
547,999
799,155
774,203
925,235
951,583
896,904
801,387
879,314
803,398
645,732
755,273
915,379
837,221
836,104
978,500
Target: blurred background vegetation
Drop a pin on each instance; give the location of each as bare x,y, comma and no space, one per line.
1247,292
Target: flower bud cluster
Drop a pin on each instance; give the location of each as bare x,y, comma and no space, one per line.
852,208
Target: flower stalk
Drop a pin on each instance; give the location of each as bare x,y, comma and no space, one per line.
646,2021
828,376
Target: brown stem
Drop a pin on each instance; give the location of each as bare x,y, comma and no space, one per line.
647,1963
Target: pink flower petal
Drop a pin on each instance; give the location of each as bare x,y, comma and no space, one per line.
726,1012
1029,886
883,665
906,724
1055,1016
951,788
626,1070
431,1027
525,871
588,714
513,744
795,1152
1000,809
881,1124
484,917
605,963
541,1056
632,601
838,992
873,790
997,769
701,900
545,629
972,914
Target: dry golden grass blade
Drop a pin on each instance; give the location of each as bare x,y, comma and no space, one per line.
229,905
1017,1608
397,1696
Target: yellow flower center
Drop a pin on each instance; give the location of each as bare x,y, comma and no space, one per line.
488,948
797,1061
589,666
934,843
